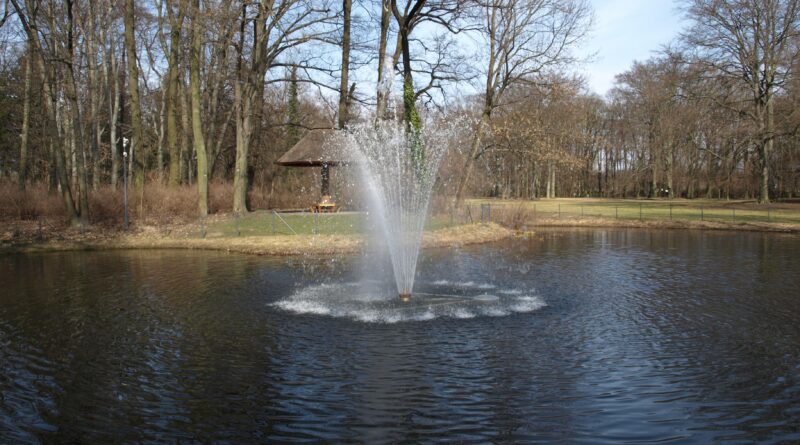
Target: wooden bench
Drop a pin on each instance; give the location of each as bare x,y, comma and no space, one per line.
325,205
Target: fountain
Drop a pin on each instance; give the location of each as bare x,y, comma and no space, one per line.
399,169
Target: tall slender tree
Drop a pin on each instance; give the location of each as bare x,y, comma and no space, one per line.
136,149
197,123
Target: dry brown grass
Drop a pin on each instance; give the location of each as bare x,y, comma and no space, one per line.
515,216
257,245
159,204
32,203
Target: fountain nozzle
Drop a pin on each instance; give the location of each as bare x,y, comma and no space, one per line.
405,297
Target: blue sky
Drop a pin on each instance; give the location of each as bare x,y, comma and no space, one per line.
624,31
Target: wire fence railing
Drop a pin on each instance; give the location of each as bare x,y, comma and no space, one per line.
633,211
269,223
509,213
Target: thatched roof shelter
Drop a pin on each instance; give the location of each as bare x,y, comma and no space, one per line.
316,149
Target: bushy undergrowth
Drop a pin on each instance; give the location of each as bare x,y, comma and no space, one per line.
158,203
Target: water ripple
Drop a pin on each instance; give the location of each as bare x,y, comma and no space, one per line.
646,337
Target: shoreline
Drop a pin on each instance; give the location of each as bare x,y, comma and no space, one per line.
607,223
277,245
149,237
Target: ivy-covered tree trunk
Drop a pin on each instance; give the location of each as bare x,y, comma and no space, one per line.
410,113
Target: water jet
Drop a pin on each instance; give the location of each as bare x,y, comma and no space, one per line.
398,180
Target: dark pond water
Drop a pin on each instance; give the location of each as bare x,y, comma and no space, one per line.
572,336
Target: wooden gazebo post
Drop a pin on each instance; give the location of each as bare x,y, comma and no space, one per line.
316,149
326,180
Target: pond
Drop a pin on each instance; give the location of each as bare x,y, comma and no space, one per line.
593,335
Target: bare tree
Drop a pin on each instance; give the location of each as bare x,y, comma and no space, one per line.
197,123
175,19
524,38
277,27
135,151
752,43
26,113
56,67
347,6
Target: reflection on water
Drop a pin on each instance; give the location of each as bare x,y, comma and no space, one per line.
636,336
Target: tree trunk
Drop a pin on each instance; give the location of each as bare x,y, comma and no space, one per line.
94,96
244,131
186,151
410,113
197,124
26,112
136,152
670,170
474,152
654,167
71,93
383,82
766,149
343,96
173,73
248,93
115,93
160,123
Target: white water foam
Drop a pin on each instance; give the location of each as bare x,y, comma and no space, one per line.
349,300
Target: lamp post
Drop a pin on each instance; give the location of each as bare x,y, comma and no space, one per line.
125,177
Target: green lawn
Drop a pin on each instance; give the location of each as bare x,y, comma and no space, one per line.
646,209
266,223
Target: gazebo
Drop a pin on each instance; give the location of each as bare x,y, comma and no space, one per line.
316,149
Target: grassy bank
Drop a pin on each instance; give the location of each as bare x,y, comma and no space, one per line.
679,213
268,223
269,233
185,237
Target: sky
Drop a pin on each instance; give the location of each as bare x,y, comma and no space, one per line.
624,31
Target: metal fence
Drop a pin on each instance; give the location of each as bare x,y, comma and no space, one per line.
658,211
